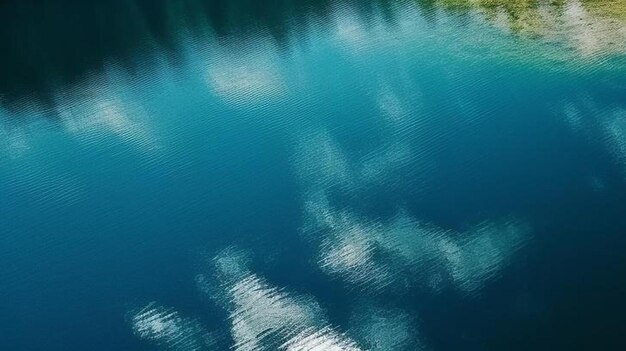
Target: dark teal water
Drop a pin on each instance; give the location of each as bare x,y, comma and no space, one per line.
309,175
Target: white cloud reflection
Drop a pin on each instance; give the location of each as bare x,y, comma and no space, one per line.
607,125
250,75
399,253
264,317
385,328
102,111
374,255
167,329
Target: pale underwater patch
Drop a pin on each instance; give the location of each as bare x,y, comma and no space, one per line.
573,117
592,122
319,162
391,106
14,142
322,167
385,329
318,215
166,328
615,128
387,164
481,253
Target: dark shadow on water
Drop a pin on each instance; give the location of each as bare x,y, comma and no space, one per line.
55,44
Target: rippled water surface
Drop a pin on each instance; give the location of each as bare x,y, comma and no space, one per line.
310,175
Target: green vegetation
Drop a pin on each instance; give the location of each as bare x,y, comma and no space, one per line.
535,17
615,9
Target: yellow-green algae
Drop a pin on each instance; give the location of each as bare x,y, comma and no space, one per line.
529,15
588,26
609,8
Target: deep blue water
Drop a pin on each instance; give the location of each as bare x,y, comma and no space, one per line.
310,175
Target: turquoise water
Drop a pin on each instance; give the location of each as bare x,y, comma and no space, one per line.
306,175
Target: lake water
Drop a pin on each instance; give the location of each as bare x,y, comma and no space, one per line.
312,175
